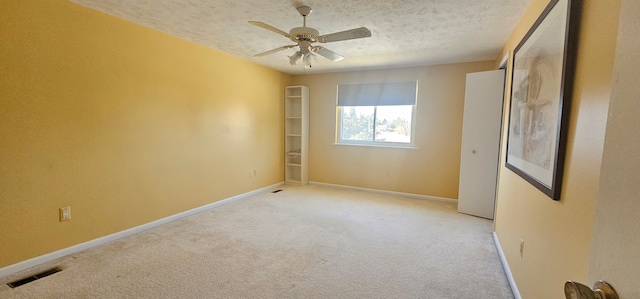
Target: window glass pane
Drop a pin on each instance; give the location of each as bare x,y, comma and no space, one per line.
357,123
393,123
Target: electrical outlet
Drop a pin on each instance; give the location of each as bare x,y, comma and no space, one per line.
521,247
255,172
388,173
65,213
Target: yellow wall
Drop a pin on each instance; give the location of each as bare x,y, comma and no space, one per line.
432,169
557,233
125,124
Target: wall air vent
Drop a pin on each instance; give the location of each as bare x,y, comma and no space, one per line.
35,277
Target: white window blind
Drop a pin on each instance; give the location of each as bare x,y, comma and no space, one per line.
377,94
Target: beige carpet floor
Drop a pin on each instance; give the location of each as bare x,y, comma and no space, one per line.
303,242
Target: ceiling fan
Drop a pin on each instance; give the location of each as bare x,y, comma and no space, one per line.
305,37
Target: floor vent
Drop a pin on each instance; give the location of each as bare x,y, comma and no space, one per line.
276,191
29,279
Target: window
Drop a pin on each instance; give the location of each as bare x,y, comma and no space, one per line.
376,114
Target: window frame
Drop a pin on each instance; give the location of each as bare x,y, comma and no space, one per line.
340,141
394,93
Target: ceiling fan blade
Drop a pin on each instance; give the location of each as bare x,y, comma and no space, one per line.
345,35
275,50
270,28
326,53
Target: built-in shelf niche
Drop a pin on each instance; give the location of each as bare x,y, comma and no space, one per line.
296,135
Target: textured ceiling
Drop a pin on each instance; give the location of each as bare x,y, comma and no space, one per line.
404,32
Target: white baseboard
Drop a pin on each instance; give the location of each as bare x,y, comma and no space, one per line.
507,270
411,195
11,269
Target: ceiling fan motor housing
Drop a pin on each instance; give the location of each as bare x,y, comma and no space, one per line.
304,34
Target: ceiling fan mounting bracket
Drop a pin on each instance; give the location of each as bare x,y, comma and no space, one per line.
304,10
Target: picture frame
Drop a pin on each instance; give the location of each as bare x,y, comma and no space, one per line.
541,92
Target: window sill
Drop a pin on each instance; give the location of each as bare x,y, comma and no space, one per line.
409,147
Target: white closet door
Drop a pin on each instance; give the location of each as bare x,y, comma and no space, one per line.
480,143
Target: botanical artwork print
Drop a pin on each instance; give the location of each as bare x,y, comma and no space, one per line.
534,111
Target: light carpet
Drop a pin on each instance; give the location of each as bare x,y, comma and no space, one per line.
302,242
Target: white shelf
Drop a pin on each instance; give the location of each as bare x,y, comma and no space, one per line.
297,132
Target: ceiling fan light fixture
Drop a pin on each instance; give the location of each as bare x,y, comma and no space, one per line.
307,59
293,59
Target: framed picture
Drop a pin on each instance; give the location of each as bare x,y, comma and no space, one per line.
541,87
